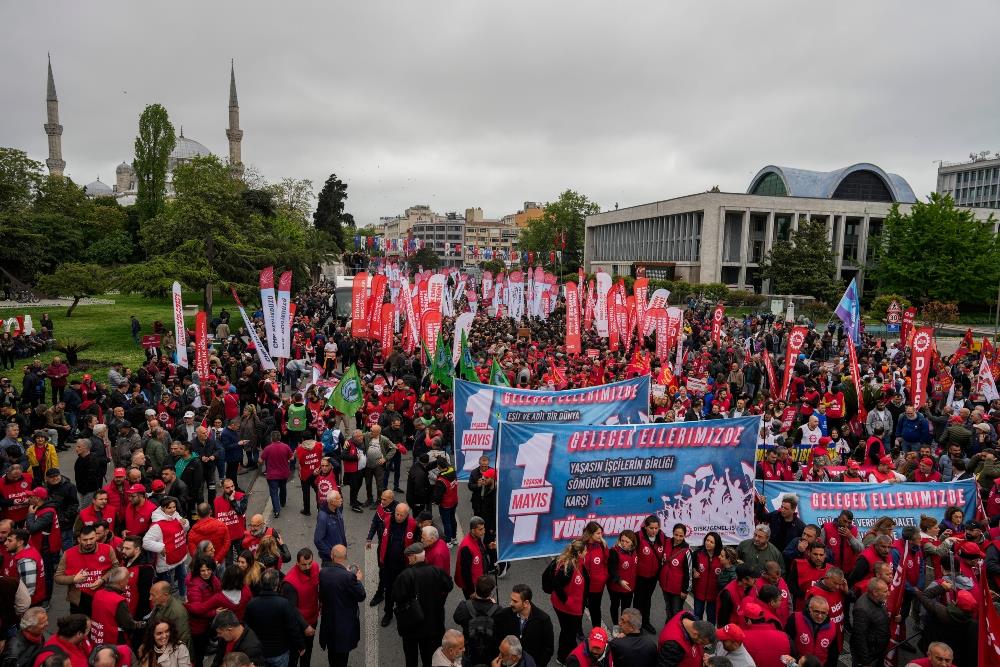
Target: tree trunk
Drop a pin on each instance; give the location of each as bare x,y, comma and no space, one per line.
69,312
208,301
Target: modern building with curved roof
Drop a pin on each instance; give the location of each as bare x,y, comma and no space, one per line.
724,236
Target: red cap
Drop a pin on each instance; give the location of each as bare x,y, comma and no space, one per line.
137,488
825,440
491,473
119,472
854,465
158,485
956,419
751,610
598,638
886,460
730,632
966,601
927,461
40,492
970,550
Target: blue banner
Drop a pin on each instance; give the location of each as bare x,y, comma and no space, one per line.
555,478
479,409
822,502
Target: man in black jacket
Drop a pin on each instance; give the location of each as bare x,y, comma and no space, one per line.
427,587
341,591
479,648
870,635
418,485
88,469
632,646
188,467
63,494
528,623
231,631
274,619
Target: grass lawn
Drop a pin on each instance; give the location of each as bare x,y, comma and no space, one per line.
108,327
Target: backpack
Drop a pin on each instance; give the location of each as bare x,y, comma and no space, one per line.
549,577
479,637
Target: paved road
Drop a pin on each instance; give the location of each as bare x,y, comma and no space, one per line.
379,646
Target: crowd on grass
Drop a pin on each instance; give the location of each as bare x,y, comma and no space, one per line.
149,539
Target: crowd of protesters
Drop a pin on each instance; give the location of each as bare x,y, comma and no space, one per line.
150,539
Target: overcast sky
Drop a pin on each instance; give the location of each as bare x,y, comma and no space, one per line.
471,103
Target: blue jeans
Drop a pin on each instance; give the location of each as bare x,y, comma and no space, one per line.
701,608
448,520
277,661
279,494
176,575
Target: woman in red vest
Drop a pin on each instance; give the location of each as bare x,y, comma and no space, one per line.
675,575
652,549
595,561
570,583
706,571
202,584
622,564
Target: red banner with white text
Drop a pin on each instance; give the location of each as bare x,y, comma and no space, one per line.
359,299
796,339
920,363
573,345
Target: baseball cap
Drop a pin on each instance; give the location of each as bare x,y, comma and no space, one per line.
53,472
119,472
188,415
40,492
137,488
598,638
825,440
927,461
970,550
854,465
966,601
886,460
730,632
414,549
425,516
751,610
158,485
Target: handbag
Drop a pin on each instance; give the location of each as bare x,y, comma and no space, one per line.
410,616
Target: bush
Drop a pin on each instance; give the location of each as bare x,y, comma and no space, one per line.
936,313
72,347
817,311
881,304
746,299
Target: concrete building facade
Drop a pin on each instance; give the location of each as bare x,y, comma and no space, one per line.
975,183
724,237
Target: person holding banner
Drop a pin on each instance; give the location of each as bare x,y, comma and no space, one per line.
569,584
675,575
622,564
652,551
596,564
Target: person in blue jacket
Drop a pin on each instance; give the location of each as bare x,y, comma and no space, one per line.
330,527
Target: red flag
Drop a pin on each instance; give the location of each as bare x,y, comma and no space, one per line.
852,356
640,289
430,327
201,345
373,310
893,605
907,328
989,625
359,299
920,364
658,316
573,344
772,378
387,329
718,317
588,311
796,339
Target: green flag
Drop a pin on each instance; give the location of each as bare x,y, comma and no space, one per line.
497,377
442,370
346,396
466,367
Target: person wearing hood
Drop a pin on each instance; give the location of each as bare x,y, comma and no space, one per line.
167,539
63,494
330,529
952,621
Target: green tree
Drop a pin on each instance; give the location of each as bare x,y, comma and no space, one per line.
76,281
425,257
561,227
153,146
20,176
804,264
494,266
329,216
294,196
937,252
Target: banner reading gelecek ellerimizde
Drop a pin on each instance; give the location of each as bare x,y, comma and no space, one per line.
479,409
554,478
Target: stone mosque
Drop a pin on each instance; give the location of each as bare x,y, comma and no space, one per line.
124,189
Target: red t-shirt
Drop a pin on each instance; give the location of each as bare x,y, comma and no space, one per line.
275,456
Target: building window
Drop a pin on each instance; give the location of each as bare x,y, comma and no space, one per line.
732,238
770,185
863,185
782,227
852,231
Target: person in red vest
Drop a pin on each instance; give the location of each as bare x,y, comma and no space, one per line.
71,639
15,489
82,569
913,565
803,573
652,550
301,587
596,563
879,550
167,538
436,551
231,508
833,589
675,575
841,539
396,536
622,563
939,654
472,557
255,532
110,617
925,471
325,481
705,571
593,652
138,512
763,641
309,455
117,495
811,632
781,607
731,597
683,640
570,582
46,533
26,564
95,513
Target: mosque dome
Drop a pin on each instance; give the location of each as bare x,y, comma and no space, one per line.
98,189
124,168
185,150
